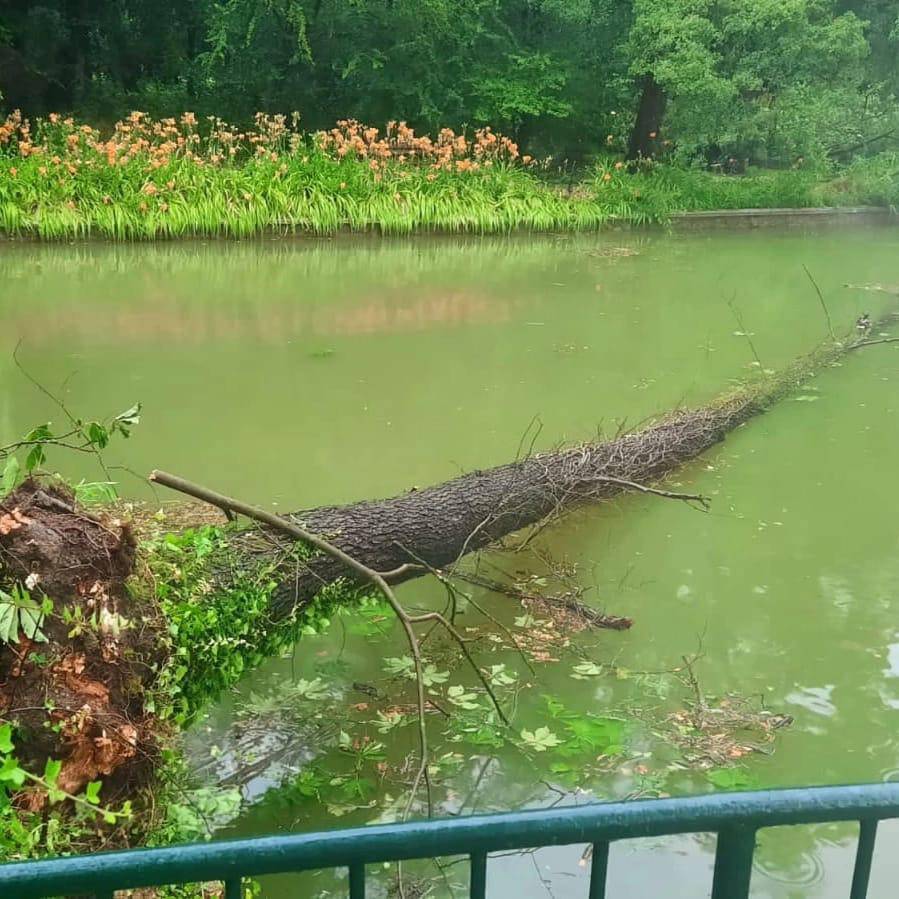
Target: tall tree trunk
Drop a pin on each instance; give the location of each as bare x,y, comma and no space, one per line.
650,113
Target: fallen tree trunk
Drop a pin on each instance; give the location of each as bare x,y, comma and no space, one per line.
85,675
437,525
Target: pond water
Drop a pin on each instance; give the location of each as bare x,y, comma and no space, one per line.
310,372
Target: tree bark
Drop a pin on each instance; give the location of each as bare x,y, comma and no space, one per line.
650,114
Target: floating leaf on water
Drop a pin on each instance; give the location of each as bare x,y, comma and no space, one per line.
459,697
499,677
540,739
430,675
404,665
583,670
730,779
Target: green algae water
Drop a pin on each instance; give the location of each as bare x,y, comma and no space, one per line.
301,373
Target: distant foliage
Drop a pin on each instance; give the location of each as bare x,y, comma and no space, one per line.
767,81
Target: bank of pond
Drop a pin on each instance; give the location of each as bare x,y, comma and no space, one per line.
176,177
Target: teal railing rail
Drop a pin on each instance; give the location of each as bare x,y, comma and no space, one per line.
735,817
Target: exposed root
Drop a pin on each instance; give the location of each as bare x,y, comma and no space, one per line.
79,653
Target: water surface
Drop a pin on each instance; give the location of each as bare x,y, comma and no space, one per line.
300,373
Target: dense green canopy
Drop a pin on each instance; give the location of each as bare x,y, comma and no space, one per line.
767,81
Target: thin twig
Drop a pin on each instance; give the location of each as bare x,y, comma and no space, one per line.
445,576
436,616
823,304
655,491
861,343
570,603
77,426
745,333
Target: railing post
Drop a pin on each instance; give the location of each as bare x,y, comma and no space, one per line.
357,881
733,863
478,883
599,867
864,855
234,888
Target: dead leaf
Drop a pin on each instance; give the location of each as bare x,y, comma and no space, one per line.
12,521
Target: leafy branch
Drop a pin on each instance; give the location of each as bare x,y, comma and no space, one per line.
80,435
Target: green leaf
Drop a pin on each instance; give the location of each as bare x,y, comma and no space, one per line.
11,772
314,689
6,744
31,618
92,792
10,476
430,675
126,420
730,779
586,669
459,697
500,677
404,665
386,723
35,458
9,619
38,434
98,435
590,733
97,492
52,767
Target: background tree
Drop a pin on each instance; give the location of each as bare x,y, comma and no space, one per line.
767,81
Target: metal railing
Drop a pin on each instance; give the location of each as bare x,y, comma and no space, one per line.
734,817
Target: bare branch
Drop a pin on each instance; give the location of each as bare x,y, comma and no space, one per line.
821,301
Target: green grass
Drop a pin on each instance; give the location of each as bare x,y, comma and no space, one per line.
317,196
658,192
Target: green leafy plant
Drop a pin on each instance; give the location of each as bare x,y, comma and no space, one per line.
20,612
13,777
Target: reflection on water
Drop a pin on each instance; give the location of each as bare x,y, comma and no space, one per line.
815,699
325,371
168,319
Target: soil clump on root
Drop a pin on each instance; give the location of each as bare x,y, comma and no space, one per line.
78,649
